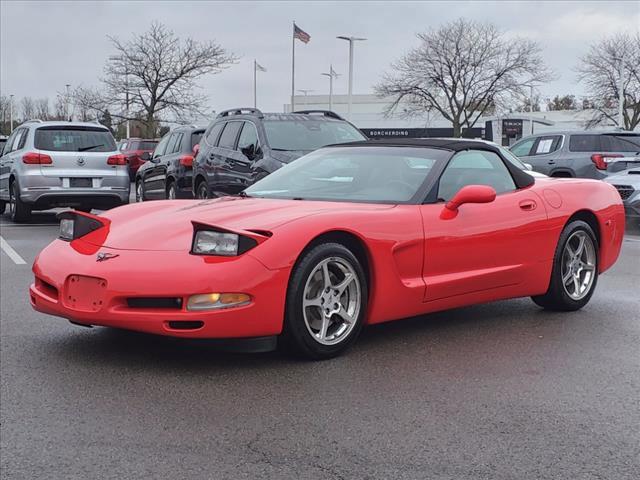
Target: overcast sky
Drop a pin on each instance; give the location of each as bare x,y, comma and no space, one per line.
44,45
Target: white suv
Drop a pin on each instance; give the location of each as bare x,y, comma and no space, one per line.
61,164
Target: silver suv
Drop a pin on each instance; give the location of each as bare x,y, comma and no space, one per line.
584,154
61,164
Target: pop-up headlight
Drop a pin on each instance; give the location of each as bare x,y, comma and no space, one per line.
207,242
75,225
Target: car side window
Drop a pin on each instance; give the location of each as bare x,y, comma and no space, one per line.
229,135
523,148
585,143
474,167
22,139
248,142
214,133
9,142
162,146
174,143
545,145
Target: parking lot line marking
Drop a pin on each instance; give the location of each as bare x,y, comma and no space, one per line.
11,253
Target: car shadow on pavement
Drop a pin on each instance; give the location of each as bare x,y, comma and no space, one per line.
36,218
444,330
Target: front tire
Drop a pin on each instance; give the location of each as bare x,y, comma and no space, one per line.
19,211
139,191
202,192
326,302
575,270
172,191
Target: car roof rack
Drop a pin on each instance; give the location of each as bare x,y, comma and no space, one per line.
241,111
326,113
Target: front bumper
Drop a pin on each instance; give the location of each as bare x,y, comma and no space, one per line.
157,275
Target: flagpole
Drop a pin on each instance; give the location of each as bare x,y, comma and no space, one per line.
255,88
293,65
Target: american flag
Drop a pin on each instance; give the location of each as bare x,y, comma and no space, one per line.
300,34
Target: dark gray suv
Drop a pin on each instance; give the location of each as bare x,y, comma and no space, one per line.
584,154
244,145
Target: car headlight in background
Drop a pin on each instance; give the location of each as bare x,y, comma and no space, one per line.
208,242
214,301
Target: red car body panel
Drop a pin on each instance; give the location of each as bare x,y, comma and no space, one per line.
417,262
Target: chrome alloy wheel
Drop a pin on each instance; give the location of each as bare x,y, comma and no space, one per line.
332,300
578,265
139,192
171,195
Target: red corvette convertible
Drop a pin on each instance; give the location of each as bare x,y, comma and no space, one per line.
346,236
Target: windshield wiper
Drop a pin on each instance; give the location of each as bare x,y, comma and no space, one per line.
283,150
244,194
84,149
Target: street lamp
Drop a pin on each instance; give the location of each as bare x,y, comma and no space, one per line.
11,112
350,40
620,60
331,76
125,60
66,103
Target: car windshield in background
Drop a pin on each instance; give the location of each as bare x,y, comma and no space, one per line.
195,138
143,146
357,174
74,139
309,134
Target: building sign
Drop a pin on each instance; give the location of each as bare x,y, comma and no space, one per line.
512,127
419,132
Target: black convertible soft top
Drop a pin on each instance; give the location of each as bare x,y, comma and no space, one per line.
520,177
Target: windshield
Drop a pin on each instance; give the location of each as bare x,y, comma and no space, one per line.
309,134
74,139
358,174
513,159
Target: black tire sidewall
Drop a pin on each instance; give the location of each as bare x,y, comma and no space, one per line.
295,333
21,211
140,185
202,186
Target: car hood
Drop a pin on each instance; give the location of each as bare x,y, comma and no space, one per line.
288,155
167,225
626,177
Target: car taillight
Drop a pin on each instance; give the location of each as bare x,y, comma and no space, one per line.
602,159
35,158
118,159
186,160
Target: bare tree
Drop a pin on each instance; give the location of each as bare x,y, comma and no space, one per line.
566,102
4,115
42,109
155,73
525,105
613,58
460,70
59,108
28,107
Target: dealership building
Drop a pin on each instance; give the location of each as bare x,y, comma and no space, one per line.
368,114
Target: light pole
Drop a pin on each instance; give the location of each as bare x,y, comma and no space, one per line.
531,110
331,76
11,112
620,60
66,103
349,99
305,91
125,61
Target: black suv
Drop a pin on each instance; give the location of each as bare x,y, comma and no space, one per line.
244,145
167,173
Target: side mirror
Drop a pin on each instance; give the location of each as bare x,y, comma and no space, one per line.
145,156
196,149
468,194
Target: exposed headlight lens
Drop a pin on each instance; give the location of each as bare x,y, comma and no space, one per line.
212,301
207,242
66,228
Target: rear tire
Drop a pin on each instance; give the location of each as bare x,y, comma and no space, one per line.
575,270
326,302
19,211
202,192
139,191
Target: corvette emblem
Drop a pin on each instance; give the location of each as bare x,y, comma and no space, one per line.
103,257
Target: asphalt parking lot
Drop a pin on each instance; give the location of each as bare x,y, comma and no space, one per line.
500,391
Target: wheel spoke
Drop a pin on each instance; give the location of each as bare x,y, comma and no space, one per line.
587,267
342,313
311,302
325,275
570,250
342,286
580,248
567,277
322,334
576,284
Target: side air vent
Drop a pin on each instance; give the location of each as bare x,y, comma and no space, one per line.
174,303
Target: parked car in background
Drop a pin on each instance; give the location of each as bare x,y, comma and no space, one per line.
244,145
585,154
61,164
627,183
168,172
3,140
134,149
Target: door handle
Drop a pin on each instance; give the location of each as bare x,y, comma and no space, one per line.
551,162
528,205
